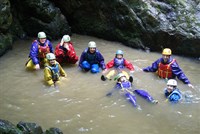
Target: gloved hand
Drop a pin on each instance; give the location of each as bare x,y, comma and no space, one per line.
109,94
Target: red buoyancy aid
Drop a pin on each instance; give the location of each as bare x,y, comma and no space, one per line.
164,70
43,50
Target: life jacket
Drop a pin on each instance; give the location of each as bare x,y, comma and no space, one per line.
164,70
175,96
43,50
126,85
55,71
119,63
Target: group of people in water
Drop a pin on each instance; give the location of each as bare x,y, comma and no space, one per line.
91,59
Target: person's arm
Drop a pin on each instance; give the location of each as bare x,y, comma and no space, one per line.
71,52
82,58
101,61
59,52
177,71
62,72
117,86
128,65
48,76
110,64
50,46
34,53
153,67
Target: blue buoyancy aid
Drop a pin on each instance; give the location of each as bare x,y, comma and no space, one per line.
174,96
119,63
55,71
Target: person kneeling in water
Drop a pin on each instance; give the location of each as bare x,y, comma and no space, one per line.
53,71
172,93
126,86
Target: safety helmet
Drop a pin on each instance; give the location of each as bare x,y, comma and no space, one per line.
119,76
119,52
166,51
172,82
66,38
41,35
92,44
50,56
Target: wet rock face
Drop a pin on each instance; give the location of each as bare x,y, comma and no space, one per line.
153,24
41,15
5,22
5,16
6,127
144,24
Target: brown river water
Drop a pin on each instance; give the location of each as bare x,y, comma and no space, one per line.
80,104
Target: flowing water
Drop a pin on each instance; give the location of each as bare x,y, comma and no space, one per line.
79,105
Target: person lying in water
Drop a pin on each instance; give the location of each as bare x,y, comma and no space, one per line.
171,92
126,87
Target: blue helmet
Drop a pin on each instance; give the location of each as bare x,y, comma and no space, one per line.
119,52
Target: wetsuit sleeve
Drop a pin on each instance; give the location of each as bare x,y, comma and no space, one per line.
50,46
117,86
153,67
47,75
71,52
62,72
179,73
110,64
82,58
101,61
128,65
59,51
34,53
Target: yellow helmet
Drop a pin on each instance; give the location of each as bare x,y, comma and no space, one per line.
167,51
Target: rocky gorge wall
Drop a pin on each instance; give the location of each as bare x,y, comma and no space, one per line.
143,24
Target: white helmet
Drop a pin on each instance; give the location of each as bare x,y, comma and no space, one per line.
92,44
41,35
172,82
66,38
50,56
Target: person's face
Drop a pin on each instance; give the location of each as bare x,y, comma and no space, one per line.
52,62
42,40
65,44
119,56
165,57
170,88
122,79
92,49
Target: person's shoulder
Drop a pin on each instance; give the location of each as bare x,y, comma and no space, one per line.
35,42
48,41
85,50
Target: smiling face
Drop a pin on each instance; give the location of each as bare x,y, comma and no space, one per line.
122,79
119,56
165,58
92,49
42,40
170,88
52,62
